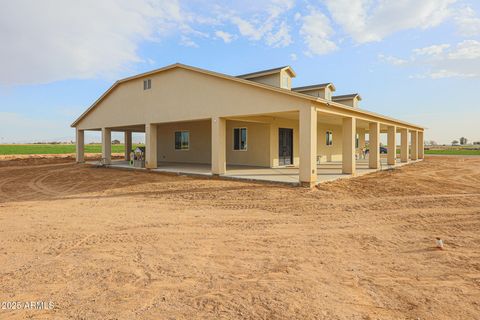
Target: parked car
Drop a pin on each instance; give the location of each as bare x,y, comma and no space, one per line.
382,150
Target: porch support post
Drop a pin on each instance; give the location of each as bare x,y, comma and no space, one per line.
128,144
348,146
374,145
391,145
151,146
219,149
404,145
421,145
414,135
308,146
80,145
361,138
107,145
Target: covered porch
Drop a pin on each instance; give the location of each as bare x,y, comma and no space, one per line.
303,147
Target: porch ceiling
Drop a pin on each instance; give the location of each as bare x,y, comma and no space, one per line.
133,128
323,118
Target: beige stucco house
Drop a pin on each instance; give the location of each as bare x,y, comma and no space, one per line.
196,116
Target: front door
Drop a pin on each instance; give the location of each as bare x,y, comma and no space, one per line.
285,147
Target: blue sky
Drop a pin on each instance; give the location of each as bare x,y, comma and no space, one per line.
415,60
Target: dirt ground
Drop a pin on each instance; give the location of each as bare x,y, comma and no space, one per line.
114,244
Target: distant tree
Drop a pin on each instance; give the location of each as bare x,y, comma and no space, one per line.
476,143
463,141
431,143
116,141
454,142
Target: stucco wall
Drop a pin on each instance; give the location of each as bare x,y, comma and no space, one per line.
258,143
271,79
262,142
181,95
333,152
200,150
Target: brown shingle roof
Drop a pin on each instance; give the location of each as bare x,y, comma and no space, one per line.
266,72
313,87
346,97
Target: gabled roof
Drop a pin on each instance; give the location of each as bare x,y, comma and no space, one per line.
195,69
347,97
267,72
235,79
314,87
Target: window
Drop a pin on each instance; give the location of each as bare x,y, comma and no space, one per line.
329,138
147,84
240,139
356,140
182,140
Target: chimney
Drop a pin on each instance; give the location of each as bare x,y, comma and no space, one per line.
350,100
323,90
278,77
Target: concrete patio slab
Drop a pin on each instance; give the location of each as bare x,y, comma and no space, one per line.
328,171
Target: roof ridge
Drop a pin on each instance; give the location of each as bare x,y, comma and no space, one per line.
267,71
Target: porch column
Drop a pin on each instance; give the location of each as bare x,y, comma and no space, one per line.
348,145
128,144
361,138
107,145
80,146
219,149
308,146
404,145
374,145
391,145
414,135
421,145
151,146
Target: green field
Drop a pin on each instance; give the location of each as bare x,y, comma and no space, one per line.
9,149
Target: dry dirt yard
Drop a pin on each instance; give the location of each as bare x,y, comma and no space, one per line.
113,244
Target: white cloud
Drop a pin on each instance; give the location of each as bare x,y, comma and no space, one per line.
264,23
434,50
440,74
468,23
293,56
45,41
373,20
316,32
225,36
467,50
392,60
444,61
247,29
281,38
187,42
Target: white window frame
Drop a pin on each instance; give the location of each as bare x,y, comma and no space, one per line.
329,132
175,142
147,84
246,137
